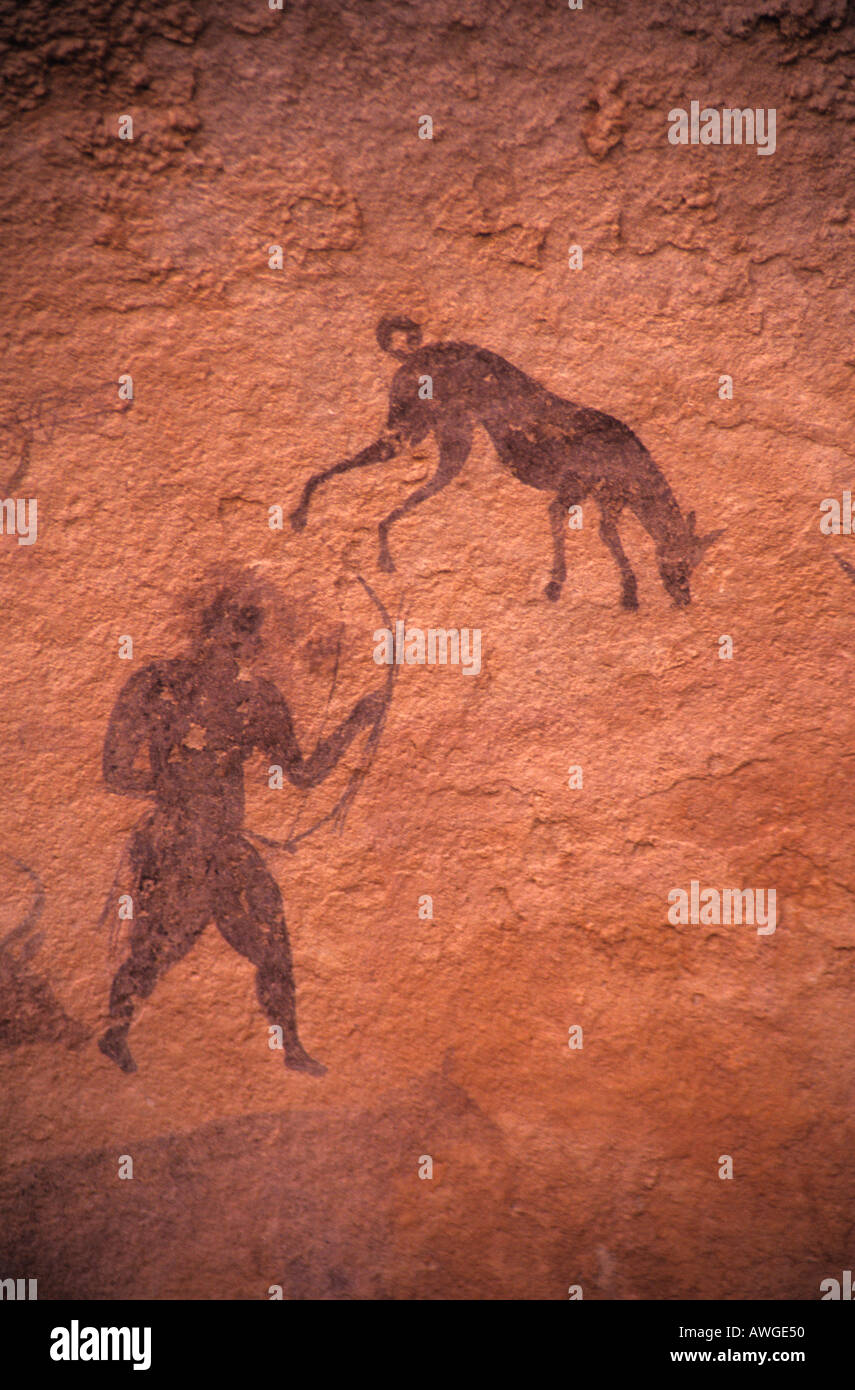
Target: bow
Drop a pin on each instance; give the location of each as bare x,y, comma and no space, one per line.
319,732
339,812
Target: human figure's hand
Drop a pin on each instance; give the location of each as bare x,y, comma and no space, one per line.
370,707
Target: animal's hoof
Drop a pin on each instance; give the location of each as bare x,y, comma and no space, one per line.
553,590
629,601
298,1059
114,1045
298,519
385,562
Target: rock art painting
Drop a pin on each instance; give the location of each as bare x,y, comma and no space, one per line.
426,567
29,1009
179,735
447,389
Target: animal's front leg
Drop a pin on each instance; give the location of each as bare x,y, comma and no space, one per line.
629,587
558,509
380,451
452,457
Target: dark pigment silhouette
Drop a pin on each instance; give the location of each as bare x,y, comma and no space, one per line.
546,442
29,1010
180,734
847,567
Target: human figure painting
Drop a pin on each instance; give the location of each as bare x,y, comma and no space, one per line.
554,445
179,736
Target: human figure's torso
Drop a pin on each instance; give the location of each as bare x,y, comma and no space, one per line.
197,733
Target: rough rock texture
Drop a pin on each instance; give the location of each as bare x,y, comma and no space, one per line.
443,1037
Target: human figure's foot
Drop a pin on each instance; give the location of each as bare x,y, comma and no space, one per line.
114,1045
298,519
553,590
298,1059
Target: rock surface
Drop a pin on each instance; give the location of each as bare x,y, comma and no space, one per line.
443,1037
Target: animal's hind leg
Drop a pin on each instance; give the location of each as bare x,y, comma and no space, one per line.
558,520
629,589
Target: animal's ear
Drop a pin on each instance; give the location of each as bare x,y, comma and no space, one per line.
703,543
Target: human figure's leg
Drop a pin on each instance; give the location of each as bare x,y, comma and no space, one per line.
170,913
248,912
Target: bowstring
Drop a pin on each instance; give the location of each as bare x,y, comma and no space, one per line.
317,738
338,814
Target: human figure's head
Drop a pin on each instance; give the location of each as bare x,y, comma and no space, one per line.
399,336
228,613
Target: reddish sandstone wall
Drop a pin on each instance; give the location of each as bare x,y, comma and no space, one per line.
448,1037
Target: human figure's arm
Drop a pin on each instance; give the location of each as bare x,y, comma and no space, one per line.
272,731
126,739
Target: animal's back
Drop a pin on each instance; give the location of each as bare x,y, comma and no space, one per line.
525,420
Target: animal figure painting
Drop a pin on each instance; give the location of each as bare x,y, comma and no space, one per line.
554,445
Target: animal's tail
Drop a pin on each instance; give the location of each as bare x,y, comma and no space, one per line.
29,1009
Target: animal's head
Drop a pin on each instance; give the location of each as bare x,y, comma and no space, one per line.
676,570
